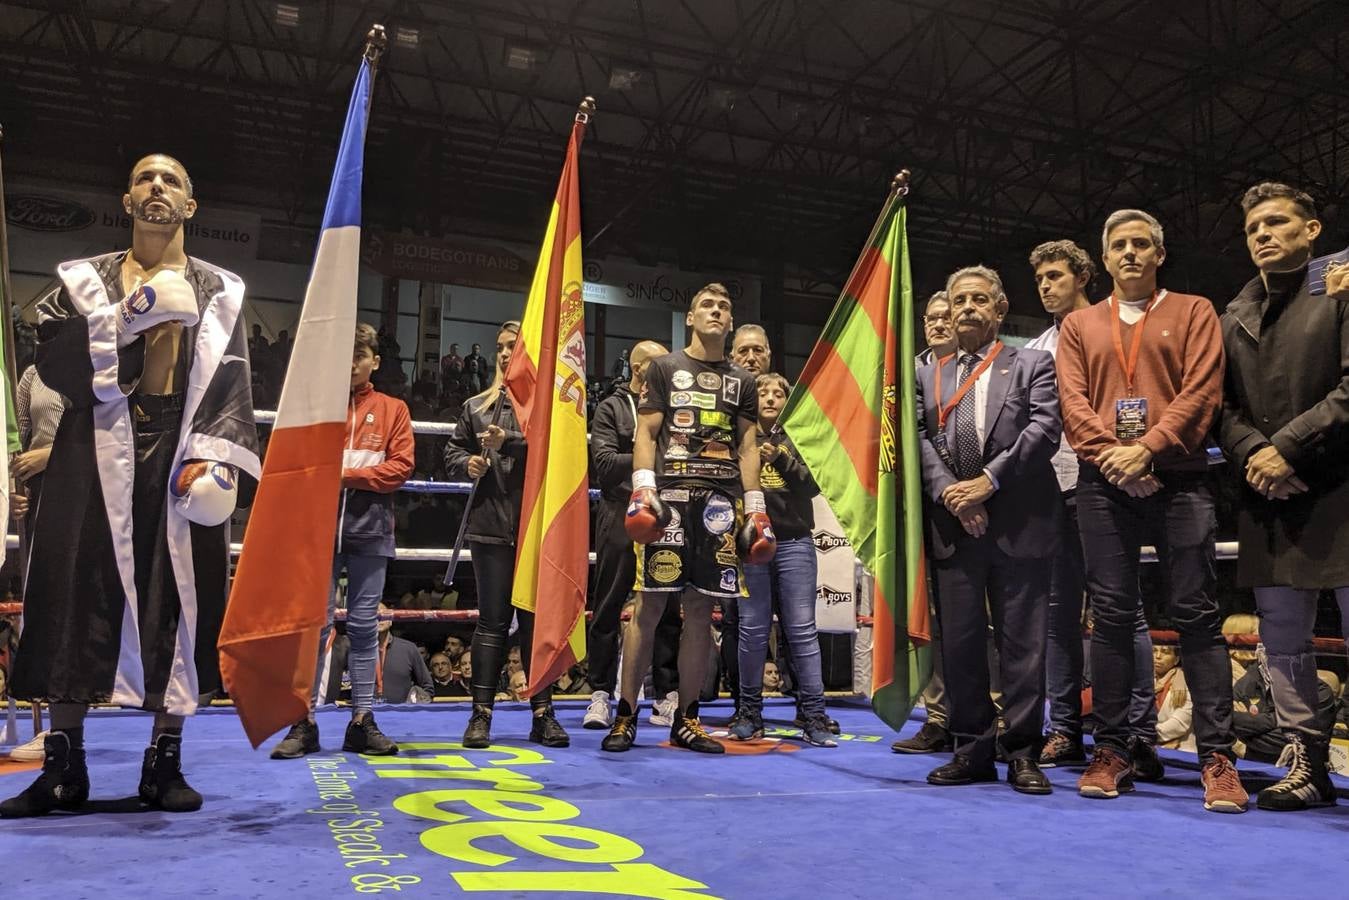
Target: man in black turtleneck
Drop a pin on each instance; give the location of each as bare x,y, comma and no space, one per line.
1285,426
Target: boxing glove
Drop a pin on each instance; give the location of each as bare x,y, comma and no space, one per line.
204,491
647,517
755,540
167,297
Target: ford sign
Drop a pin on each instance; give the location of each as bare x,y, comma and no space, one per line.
39,213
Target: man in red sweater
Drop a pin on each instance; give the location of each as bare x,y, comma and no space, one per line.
1140,383
378,459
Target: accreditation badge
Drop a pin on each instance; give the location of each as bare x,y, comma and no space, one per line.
1131,418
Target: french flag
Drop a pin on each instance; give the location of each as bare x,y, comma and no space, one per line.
279,602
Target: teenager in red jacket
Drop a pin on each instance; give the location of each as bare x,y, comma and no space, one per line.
377,460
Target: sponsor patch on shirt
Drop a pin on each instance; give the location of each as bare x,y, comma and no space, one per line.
665,566
726,555
715,450
682,418
678,495
709,381
730,580
714,419
694,398
730,390
682,379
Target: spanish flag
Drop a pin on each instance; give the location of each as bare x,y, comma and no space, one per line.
547,385
279,600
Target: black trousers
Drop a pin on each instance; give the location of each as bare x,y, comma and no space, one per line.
615,573
494,570
1181,522
976,580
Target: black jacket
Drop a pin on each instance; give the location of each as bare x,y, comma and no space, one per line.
611,439
788,489
1287,384
496,506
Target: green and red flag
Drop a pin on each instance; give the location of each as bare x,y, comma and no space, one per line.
853,418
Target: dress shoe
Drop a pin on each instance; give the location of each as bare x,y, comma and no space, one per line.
1025,777
961,770
931,738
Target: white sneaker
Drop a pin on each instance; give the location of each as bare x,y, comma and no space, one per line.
662,711
33,751
597,713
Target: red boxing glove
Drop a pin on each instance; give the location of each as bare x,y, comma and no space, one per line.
188,472
647,517
755,541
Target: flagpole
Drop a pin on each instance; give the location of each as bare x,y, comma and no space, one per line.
472,492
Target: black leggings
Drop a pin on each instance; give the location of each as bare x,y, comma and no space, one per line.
494,569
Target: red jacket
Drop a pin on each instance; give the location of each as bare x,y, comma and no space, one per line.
378,459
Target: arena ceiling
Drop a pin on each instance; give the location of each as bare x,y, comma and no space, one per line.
755,134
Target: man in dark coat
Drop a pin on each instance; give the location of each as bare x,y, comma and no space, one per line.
130,553
1285,425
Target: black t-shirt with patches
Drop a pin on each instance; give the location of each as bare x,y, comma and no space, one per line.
702,403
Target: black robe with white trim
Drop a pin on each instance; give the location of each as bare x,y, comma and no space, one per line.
86,635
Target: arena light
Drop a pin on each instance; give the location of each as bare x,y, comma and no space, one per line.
407,38
623,77
287,15
522,57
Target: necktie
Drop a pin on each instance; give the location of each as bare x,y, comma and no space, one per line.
969,455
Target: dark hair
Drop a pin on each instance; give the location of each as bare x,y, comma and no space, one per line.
1268,190
186,177
366,336
715,287
1079,262
768,378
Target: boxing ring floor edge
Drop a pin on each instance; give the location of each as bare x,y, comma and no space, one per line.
770,818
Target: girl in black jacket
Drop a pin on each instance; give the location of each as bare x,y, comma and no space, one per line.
495,456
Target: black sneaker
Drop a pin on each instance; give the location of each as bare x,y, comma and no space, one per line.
931,738
478,734
162,783
1307,783
365,737
546,730
689,734
1147,766
1062,750
746,724
622,735
800,722
302,738
63,784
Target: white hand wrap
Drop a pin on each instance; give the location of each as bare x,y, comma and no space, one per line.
643,478
167,297
211,497
754,502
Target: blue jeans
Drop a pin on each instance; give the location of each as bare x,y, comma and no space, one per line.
1064,656
365,589
791,573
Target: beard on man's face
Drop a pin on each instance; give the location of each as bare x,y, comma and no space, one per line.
158,216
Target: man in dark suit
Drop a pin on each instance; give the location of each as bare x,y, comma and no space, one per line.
989,424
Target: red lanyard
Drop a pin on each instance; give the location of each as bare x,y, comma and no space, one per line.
379,675
943,412
1131,364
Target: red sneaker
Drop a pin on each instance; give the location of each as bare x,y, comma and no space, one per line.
1109,775
1222,785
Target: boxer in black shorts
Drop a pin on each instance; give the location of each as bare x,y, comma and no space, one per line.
694,457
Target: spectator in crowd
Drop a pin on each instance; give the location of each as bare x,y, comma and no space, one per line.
494,455
1063,271
622,368
1241,654
377,461
772,684
933,736
475,370
404,677
789,578
463,675
451,367
1175,707
517,685
611,440
987,434
258,347
454,648
1253,711
1285,428
1140,378
281,350
37,411
442,676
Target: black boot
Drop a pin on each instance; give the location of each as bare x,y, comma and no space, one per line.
478,734
546,730
162,783
1307,783
365,737
63,784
